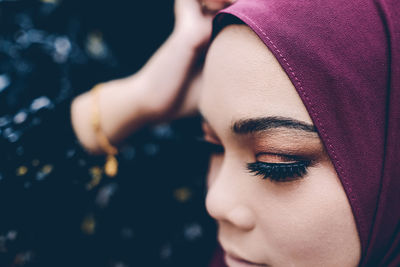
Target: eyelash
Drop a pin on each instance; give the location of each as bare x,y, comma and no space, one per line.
277,172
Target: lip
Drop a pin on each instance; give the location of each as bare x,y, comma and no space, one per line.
235,261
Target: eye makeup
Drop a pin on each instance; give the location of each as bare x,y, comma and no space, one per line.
278,155
279,168
275,171
282,157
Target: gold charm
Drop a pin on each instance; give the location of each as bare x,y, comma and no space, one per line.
111,167
96,173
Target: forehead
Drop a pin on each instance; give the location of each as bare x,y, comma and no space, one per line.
243,79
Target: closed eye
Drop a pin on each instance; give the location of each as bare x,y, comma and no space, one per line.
279,172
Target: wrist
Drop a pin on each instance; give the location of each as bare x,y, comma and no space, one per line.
133,94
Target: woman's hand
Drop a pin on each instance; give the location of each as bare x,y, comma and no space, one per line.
193,19
165,88
188,42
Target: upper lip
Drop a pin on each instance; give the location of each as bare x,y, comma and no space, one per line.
239,258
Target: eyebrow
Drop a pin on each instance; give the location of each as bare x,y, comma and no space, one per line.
252,125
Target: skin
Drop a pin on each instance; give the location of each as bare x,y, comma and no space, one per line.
303,222
165,88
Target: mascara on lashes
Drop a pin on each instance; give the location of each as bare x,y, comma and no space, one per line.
279,172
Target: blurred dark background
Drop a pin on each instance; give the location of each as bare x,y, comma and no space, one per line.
57,207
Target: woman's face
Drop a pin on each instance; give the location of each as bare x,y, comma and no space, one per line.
273,190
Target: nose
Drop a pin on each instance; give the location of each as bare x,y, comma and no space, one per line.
227,198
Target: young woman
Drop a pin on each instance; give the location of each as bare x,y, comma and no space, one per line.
301,101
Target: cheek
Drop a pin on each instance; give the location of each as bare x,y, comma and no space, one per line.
311,222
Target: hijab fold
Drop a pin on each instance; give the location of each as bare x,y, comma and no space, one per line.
343,57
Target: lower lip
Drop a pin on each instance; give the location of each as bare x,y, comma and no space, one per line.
235,262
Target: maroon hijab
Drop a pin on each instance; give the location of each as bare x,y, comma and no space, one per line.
343,57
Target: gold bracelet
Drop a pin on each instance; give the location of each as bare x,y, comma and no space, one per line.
111,166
